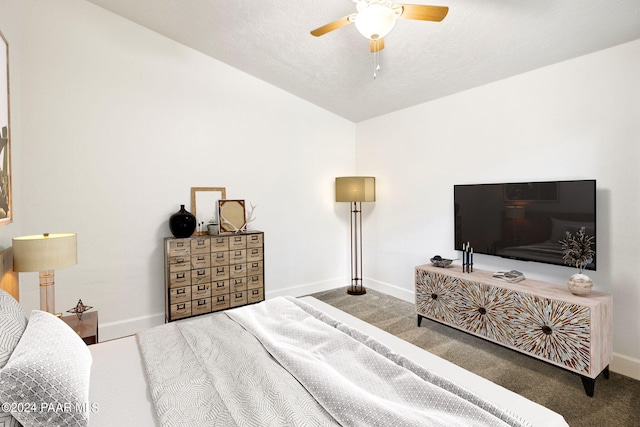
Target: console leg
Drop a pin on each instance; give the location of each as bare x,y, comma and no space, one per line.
605,373
419,320
589,385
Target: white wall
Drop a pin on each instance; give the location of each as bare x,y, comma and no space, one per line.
573,120
118,123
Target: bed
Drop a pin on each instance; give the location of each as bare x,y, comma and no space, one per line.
140,381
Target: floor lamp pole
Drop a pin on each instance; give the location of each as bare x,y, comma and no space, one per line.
356,287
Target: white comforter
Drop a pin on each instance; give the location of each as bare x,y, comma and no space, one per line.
281,362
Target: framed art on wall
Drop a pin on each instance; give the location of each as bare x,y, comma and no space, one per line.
5,132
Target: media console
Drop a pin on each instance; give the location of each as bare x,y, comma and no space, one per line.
539,319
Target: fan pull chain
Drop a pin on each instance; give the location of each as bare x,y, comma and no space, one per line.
376,59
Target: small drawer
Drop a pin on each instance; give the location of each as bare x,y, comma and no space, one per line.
200,306
254,254
254,240
220,302
238,284
255,267
200,245
220,272
177,295
219,243
200,261
179,247
238,298
255,281
219,287
237,270
201,276
237,242
180,310
180,278
201,291
237,256
179,263
219,258
255,295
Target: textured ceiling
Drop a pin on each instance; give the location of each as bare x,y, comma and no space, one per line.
480,41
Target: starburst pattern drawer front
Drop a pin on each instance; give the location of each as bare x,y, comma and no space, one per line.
436,295
554,330
485,310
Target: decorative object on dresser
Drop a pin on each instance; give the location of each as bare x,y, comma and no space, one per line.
355,190
438,261
535,318
79,309
182,223
467,258
204,206
578,251
232,215
44,253
210,273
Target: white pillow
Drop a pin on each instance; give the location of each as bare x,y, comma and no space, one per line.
48,373
12,325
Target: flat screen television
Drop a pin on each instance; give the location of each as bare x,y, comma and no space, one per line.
524,220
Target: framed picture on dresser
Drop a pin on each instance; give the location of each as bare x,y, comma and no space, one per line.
5,135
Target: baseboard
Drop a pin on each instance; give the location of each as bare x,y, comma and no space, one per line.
395,291
123,328
626,365
308,288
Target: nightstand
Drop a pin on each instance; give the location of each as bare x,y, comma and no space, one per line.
87,328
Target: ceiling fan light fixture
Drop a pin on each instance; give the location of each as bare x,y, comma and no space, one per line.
375,21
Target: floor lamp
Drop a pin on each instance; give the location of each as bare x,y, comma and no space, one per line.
356,189
44,253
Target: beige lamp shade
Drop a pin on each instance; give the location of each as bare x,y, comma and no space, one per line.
356,189
44,252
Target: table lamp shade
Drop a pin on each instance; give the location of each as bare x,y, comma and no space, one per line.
44,252
356,189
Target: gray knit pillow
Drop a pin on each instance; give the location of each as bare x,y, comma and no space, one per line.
51,364
12,324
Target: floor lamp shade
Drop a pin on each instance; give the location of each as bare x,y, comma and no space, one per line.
356,189
45,253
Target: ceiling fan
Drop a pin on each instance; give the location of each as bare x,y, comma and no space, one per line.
376,18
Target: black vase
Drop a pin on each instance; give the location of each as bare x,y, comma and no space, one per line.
182,223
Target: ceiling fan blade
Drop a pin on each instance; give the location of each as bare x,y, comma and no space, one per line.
334,25
423,13
376,45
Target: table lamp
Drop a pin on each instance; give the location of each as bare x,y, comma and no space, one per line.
356,189
44,253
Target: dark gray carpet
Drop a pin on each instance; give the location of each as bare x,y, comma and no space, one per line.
616,401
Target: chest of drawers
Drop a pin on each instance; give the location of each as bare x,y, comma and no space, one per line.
540,319
210,273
